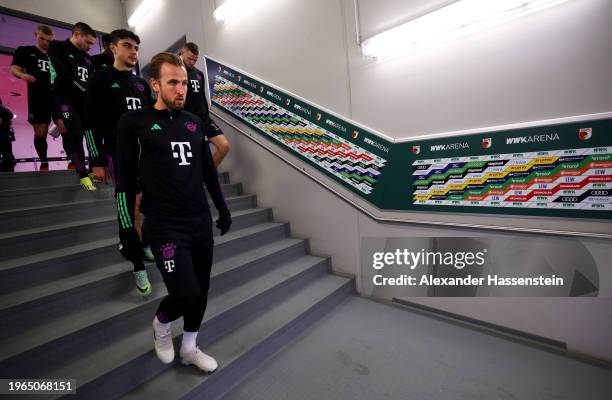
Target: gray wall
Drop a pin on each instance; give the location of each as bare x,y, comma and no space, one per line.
167,22
548,65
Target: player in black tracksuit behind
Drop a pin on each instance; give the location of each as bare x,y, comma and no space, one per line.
112,92
31,64
106,59
70,68
197,104
166,149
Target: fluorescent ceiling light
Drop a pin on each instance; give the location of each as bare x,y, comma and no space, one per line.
231,8
456,20
143,9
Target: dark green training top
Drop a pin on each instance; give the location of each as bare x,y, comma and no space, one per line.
70,70
111,93
166,154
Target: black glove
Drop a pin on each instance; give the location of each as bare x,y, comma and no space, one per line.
130,247
225,221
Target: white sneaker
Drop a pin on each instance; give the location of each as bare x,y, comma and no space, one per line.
203,361
164,348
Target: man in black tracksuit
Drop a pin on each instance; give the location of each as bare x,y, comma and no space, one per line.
166,149
197,104
112,92
70,68
31,64
106,59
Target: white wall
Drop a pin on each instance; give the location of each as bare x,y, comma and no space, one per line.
552,64
167,22
297,45
545,65
103,16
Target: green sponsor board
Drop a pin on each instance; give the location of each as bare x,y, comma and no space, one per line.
347,153
555,170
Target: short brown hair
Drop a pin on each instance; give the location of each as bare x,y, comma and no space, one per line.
192,47
44,29
163,58
83,29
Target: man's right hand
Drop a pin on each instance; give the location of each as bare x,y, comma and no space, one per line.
130,246
28,78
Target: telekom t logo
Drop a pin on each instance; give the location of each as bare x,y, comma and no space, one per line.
183,151
169,265
83,74
195,84
133,103
43,65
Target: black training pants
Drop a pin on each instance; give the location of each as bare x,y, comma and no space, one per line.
72,114
183,249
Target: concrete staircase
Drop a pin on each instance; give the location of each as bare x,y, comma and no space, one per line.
69,309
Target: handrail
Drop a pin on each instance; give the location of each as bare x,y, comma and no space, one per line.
379,218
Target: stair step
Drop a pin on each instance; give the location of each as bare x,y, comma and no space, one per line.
252,237
222,319
50,214
31,270
42,239
249,264
46,321
245,218
107,345
40,196
224,274
69,308
230,189
45,293
243,350
24,180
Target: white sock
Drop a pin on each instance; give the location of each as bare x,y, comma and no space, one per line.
189,342
160,326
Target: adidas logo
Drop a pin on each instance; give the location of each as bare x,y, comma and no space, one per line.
115,85
156,127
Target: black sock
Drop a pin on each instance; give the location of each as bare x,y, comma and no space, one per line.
40,144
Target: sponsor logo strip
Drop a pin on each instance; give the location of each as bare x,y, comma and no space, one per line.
339,157
560,179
